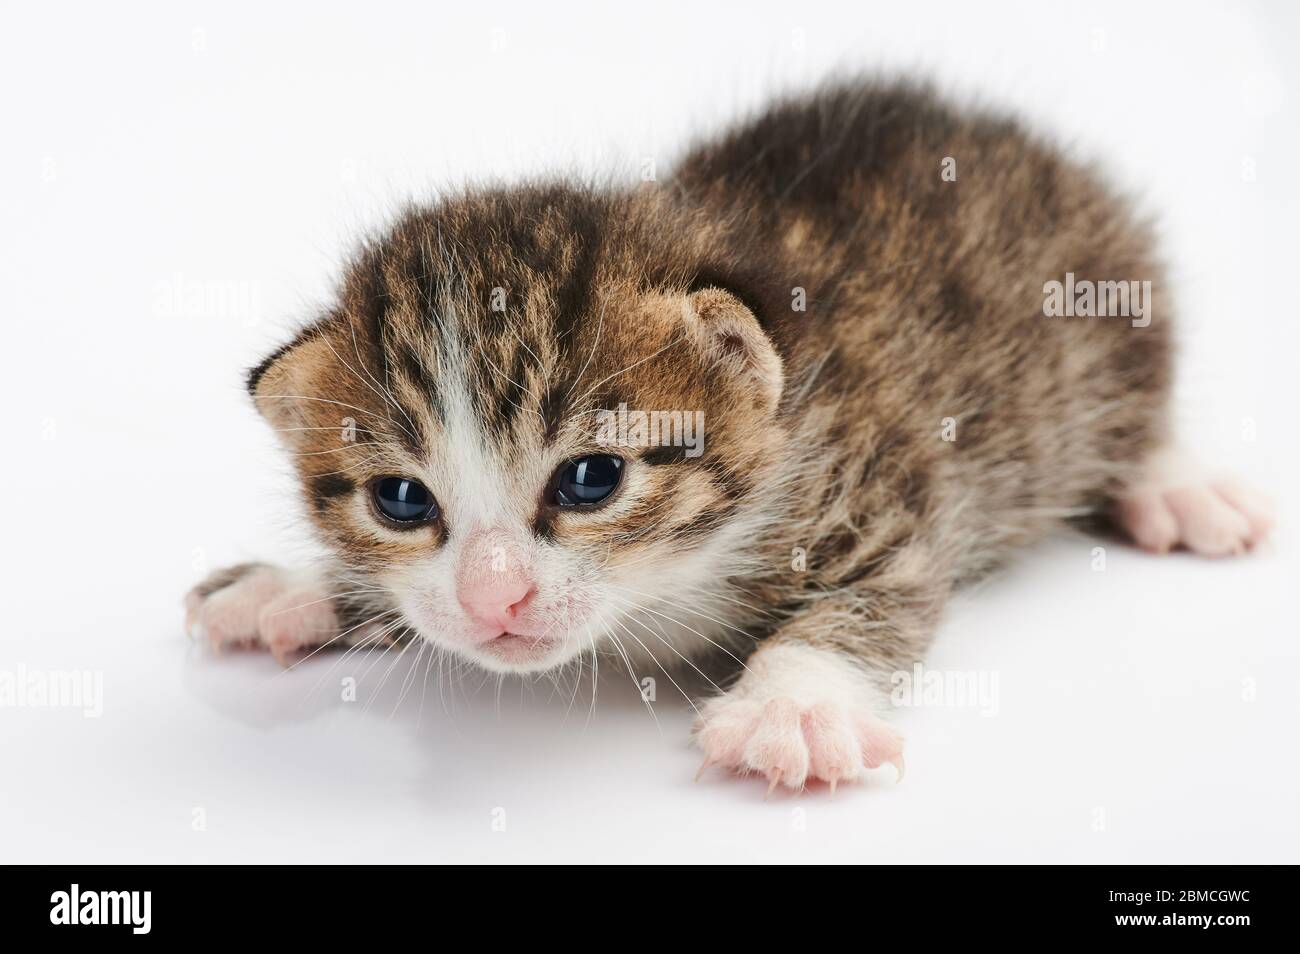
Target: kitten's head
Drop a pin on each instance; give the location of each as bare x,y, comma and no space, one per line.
472,422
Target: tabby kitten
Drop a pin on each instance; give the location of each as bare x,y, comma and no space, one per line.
776,407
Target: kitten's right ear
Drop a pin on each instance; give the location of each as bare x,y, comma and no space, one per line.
282,385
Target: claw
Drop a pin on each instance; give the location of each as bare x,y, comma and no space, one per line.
897,762
834,782
776,779
703,768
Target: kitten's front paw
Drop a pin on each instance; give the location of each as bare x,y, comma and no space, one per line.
790,743
255,604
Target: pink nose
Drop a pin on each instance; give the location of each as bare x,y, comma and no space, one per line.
499,604
495,583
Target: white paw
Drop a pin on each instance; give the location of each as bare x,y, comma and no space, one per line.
790,743
1179,507
798,715
260,606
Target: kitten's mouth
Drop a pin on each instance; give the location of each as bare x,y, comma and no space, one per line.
518,648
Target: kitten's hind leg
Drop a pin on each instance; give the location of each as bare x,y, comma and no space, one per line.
259,605
1177,503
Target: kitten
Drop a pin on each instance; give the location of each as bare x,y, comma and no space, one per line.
848,296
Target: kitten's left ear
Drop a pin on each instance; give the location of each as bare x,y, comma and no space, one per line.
730,336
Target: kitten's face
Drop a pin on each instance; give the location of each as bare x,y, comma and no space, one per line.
473,432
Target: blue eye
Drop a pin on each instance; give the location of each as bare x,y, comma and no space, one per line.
404,500
587,480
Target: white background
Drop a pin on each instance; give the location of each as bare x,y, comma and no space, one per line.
180,185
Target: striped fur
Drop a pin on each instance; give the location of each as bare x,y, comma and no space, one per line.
827,508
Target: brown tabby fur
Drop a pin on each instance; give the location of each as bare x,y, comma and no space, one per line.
924,302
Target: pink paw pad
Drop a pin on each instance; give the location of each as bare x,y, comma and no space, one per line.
1211,518
261,608
790,743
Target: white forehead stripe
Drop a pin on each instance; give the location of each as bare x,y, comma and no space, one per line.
472,482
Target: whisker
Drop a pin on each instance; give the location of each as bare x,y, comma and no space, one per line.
689,701
646,609
385,394
690,609
397,658
599,328
323,599
591,390
628,663
679,655
331,641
